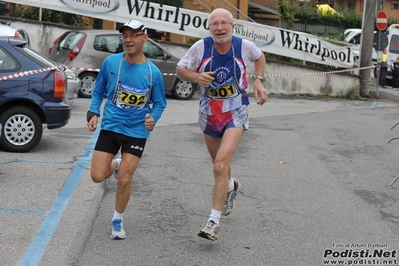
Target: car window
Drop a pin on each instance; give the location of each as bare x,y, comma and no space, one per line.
394,45
7,62
356,39
152,51
35,56
108,43
70,40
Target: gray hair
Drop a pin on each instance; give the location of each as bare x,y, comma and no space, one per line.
228,13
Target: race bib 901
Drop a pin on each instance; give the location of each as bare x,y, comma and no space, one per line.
223,92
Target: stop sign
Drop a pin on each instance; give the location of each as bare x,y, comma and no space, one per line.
382,20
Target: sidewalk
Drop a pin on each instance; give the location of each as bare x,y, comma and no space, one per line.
387,94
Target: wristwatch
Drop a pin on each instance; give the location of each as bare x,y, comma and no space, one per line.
259,77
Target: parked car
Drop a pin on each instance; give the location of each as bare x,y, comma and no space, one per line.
7,30
353,35
34,98
73,84
87,49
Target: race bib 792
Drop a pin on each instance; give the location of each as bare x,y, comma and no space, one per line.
132,99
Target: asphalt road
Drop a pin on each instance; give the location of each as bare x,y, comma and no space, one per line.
315,180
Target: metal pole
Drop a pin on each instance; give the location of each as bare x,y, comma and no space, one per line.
378,61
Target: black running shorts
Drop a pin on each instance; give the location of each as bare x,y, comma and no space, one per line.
111,142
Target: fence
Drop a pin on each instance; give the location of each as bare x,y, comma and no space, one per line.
314,29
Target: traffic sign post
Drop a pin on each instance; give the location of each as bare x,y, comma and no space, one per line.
380,41
381,23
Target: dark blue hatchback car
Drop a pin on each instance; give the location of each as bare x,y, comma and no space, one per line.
32,95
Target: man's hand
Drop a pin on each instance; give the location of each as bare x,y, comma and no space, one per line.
92,124
205,79
149,122
259,92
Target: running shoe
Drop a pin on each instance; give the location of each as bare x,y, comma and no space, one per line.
210,231
231,197
117,229
117,168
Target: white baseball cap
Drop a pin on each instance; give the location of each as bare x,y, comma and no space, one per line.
134,25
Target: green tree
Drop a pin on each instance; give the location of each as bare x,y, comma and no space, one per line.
309,14
32,13
285,11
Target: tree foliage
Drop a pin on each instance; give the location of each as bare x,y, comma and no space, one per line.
33,13
285,12
309,14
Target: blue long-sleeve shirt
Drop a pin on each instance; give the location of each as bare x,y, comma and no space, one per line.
128,95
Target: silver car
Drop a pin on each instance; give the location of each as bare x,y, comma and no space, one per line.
9,31
73,84
85,50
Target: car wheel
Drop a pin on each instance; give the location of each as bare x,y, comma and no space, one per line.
22,129
183,90
88,80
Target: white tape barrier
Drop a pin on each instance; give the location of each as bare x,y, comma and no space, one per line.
31,72
318,73
27,73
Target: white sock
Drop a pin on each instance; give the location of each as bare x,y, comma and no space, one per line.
231,184
215,216
117,215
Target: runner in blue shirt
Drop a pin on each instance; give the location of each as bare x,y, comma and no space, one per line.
135,100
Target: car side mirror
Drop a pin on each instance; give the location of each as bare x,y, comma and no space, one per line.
167,57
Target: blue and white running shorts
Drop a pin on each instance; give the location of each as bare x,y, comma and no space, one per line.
215,125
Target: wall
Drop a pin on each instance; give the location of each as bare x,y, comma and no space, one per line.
300,79
289,79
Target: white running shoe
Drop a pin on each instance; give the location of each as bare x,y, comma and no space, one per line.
210,231
230,199
117,168
117,229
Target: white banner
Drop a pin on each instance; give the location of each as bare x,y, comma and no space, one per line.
187,22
